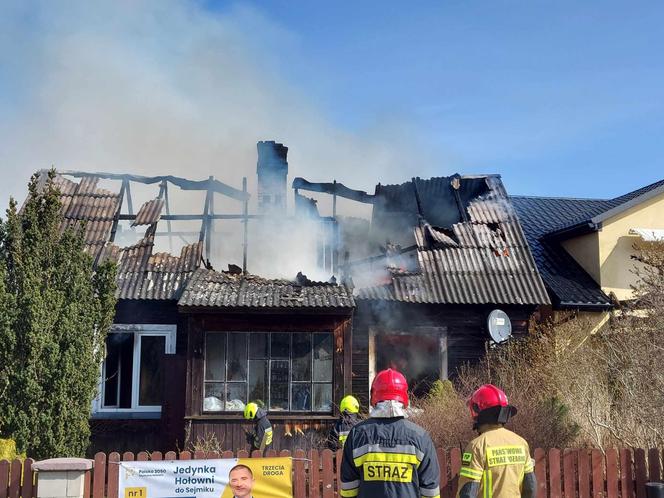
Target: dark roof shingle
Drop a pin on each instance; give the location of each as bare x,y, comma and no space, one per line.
141,273
569,283
212,289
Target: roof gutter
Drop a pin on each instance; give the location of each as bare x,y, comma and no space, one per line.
584,306
583,228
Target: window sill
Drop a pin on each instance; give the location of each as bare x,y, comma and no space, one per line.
291,417
125,415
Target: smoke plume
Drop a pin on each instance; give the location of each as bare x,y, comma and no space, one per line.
168,87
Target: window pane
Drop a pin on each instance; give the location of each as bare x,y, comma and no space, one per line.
152,352
258,345
237,357
258,380
279,385
215,356
301,397
323,357
280,345
301,357
119,370
214,397
126,369
236,396
112,362
322,397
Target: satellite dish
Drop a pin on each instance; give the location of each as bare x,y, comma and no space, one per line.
500,327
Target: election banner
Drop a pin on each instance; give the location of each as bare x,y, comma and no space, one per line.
221,478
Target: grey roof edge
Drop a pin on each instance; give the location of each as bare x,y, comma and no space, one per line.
271,310
557,198
479,176
595,223
629,204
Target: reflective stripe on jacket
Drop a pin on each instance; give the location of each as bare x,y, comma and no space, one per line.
389,457
497,459
263,435
341,429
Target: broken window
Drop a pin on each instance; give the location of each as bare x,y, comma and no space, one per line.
132,370
283,371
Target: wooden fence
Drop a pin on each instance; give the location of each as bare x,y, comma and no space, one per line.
560,474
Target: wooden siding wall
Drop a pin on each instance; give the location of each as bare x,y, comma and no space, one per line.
466,331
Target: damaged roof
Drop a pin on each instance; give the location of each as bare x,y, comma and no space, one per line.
141,273
149,213
470,246
212,289
85,203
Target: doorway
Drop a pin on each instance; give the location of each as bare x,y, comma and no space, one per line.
420,354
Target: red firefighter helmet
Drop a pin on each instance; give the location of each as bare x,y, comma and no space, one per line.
485,397
389,385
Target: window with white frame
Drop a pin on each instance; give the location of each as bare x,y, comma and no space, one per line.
283,371
131,377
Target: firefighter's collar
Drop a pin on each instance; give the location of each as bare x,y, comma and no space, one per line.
388,409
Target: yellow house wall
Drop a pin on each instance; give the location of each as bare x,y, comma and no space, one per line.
585,250
616,245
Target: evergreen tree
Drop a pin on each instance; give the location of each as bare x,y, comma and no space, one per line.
55,311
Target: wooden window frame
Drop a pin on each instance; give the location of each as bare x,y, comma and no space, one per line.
312,383
139,331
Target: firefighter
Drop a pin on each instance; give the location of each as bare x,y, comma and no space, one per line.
387,455
349,408
497,463
261,437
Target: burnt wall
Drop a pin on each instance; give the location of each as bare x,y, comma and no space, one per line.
466,331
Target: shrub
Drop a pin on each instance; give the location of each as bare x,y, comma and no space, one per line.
8,450
55,310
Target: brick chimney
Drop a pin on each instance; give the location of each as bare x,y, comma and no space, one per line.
272,170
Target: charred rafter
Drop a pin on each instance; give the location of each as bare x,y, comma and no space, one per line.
335,189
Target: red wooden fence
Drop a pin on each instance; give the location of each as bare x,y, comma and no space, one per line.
560,474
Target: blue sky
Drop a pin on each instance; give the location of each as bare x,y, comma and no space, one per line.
561,98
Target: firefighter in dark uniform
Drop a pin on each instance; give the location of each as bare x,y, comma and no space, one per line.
497,463
349,418
261,437
387,455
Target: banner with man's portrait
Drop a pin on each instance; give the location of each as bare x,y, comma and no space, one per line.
221,478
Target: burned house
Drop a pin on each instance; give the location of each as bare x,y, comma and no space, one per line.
412,288
190,345
453,252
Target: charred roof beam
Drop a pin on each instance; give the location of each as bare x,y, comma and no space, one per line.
334,188
209,184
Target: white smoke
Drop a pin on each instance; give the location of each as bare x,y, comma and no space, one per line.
167,87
